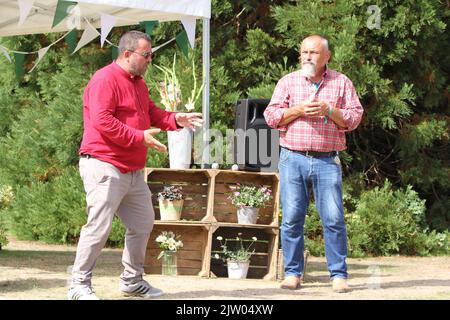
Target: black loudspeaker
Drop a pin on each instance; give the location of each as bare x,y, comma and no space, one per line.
256,145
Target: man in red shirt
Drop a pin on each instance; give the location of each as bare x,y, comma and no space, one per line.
118,113
313,108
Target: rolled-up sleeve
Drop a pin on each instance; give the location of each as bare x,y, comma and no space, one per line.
277,106
352,109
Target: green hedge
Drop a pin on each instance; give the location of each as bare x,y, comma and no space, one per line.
54,212
6,197
385,222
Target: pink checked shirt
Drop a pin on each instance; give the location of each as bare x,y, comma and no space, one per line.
314,133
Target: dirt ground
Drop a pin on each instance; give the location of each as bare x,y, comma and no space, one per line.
36,271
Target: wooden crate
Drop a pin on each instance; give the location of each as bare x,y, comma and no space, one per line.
207,213
193,258
263,264
225,182
196,184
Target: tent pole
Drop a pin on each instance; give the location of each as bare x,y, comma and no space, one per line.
205,93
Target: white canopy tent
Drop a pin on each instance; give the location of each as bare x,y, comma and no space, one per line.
128,12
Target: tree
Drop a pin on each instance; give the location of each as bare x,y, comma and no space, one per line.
400,71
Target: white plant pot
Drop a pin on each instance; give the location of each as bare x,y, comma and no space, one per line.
247,215
170,210
180,148
237,270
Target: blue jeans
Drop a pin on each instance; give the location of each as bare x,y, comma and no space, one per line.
296,173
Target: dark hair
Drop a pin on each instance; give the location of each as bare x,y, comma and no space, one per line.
130,40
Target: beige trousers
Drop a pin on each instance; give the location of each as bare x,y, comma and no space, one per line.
110,192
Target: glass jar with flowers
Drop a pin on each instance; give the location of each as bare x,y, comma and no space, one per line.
236,256
171,201
169,244
180,91
248,198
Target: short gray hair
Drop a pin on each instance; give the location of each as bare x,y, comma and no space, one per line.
130,40
325,41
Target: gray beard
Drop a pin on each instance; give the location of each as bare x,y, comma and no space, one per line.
308,70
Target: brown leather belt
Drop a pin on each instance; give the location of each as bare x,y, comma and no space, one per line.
315,154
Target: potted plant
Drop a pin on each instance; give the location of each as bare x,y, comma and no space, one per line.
248,198
180,91
237,259
171,201
169,244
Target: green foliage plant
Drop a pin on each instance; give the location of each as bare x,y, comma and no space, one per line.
241,252
176,81
171,193
388,221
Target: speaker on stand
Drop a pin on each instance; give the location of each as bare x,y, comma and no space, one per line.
256,145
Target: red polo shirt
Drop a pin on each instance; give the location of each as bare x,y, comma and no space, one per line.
116,110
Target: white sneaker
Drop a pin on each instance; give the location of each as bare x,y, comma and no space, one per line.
81,292
140,289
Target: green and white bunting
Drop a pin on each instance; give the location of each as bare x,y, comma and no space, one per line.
62,11
114,52
149,25
183,42
19,60
89,34
6,53
64,8
41,53
107,23
71,40
189,24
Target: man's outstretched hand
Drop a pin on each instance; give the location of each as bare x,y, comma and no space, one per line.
151,142
189,120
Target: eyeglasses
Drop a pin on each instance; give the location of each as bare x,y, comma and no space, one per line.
146,55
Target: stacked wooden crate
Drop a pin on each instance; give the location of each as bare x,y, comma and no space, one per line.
208,213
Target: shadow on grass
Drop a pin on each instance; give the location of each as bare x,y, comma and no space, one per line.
247,293
22,285
315,266
55,261
403,284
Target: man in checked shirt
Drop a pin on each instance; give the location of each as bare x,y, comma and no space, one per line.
313,108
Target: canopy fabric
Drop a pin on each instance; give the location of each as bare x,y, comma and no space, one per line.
128,12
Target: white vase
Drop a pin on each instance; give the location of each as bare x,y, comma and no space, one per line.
247,215
237,270
180,148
